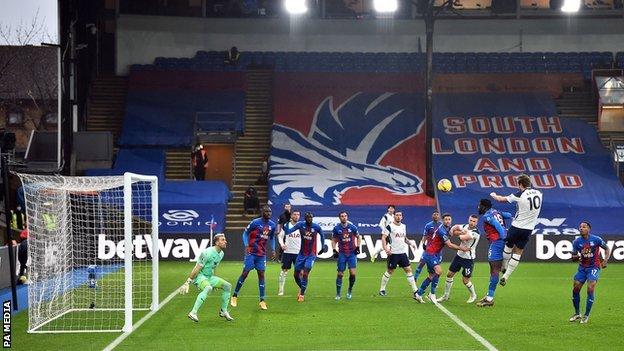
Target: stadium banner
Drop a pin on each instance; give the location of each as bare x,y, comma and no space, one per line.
481,142
348,141
193,218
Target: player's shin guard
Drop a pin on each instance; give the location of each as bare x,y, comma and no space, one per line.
282,281
351,282
384,280
412,282
225,296
298,279
240,282
471,288
576,300
434,283
304,281
201,298
424,286
511,266
261,284
590,301
506,257
447,286
419,269
492,288
338,284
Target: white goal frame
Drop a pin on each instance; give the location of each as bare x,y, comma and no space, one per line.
128,309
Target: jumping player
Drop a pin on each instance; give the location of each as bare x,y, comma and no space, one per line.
528,204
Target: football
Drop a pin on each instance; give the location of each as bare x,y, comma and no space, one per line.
444,185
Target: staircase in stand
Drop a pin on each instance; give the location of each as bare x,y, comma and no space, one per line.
178,164
252,147
107,105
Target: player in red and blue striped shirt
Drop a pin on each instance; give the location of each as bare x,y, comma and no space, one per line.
310,234
586,248
347,241
256,236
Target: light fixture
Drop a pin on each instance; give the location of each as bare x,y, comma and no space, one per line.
385,6
296,7
571,6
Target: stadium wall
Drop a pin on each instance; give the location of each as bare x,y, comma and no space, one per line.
140,39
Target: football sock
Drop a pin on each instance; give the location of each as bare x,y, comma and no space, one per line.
384,280
513,263
419,269
225,296
590,301
412,282
351,282
282,280
447,286
506,257
338,285
304,281
576,300
471,288
434,283
239,283
261,284
493,281
424,286
298,279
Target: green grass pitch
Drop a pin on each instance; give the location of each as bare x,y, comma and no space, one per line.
531,313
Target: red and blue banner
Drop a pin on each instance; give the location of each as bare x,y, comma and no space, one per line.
349,141
482,141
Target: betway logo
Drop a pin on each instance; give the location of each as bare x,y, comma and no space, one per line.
555,226
546,249
369,246
180,248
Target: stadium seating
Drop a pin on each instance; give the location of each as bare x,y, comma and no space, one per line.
139,160
464,62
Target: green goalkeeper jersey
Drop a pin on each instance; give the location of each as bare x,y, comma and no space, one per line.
209,259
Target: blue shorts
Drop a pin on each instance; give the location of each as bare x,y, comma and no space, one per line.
518,237
587,273
465,264
344,260
431,261
495,251
254,262
304,262
288,260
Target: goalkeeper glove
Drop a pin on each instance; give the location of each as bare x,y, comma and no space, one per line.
184,289
335,253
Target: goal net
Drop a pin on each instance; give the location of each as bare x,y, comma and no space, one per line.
90,251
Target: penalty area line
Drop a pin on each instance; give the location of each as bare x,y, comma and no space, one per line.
123,336
469,330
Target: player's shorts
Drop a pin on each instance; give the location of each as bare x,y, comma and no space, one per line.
495,251
344,260
400,260
465,264
288,260
304,262
587,273
254,262
431,261
518,237
201,281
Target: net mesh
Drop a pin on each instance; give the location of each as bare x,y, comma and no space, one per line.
76,251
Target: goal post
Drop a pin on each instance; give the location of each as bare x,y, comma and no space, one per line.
93,251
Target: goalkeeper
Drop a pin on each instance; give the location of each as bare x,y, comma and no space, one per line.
202,277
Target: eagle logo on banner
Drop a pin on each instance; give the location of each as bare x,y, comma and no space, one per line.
343,150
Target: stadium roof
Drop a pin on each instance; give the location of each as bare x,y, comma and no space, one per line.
28,72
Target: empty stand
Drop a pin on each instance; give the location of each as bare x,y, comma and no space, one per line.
578,104
107,105
179,164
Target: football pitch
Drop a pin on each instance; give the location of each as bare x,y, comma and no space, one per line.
531,313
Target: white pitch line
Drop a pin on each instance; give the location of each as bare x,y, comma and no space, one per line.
123,336
470,331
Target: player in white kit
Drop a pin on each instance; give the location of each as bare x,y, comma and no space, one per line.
528,205
387,218
290,244
397,253
469,236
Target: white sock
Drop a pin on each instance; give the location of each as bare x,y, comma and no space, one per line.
447,286
377,251
471,288
282,280
412,282
506,257
384,280
513,263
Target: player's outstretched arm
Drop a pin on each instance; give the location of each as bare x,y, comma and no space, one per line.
497,197
184,289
